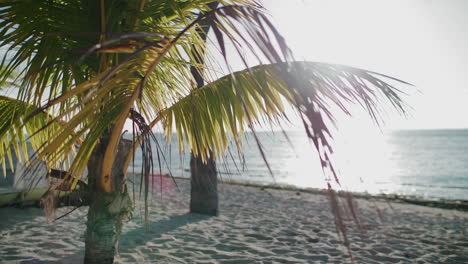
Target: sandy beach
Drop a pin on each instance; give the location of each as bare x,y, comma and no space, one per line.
255,225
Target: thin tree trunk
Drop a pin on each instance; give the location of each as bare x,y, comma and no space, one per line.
105,210
204,180
100,231
204,187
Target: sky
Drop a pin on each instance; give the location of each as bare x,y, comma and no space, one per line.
422,42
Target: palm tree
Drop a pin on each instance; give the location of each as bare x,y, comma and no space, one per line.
89,66
203,175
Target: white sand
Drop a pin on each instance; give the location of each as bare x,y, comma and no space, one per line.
254,226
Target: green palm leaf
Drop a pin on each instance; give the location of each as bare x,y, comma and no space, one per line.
223,109
151,78
17,129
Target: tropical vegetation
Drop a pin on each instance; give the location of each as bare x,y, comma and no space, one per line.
87,67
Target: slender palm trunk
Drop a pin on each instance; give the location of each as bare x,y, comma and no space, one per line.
204,187
100,232
105,210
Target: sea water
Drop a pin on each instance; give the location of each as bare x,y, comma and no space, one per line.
426,163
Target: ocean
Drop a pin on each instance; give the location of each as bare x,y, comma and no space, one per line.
424,163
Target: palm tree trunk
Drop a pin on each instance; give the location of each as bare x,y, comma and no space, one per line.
100,232
105,210
204,187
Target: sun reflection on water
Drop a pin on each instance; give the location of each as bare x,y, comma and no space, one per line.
362,160
423,163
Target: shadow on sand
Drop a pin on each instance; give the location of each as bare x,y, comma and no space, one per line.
141,235
154,230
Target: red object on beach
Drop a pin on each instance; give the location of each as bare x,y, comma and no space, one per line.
161,182
166,184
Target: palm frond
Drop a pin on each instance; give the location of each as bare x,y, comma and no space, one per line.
312,88
170,82
17,131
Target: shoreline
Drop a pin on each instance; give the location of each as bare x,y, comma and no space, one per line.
460,205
